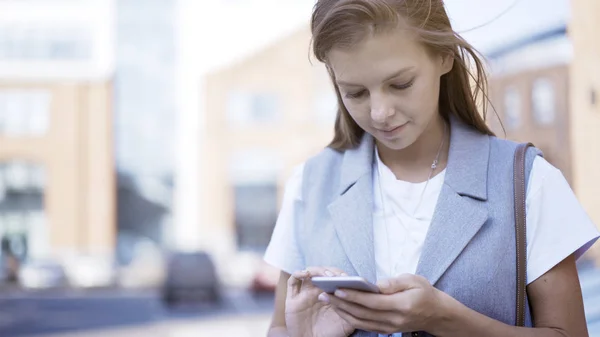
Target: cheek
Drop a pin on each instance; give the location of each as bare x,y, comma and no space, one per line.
424,100
358,111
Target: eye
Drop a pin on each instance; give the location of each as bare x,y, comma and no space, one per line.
357,94
403,86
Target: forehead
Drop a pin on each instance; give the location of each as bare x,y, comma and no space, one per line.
377,56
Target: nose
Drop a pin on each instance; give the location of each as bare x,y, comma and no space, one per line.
382,108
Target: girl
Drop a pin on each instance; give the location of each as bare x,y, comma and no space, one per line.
415,193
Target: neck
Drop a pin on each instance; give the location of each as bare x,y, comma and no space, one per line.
414,162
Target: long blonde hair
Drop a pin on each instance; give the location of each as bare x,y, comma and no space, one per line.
343,23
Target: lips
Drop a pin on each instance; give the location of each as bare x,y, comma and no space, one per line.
392,133
392,129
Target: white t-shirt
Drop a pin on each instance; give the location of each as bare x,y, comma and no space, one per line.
557,225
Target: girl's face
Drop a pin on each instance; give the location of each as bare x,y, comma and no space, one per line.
390,85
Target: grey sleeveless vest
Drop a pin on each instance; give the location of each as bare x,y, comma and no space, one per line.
469,251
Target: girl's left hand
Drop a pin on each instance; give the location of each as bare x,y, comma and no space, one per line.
407,303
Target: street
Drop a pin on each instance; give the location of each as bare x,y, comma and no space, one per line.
240,326
127,314
30,314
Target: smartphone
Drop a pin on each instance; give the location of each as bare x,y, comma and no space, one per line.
331,284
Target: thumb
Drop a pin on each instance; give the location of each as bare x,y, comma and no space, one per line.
295,283
397,284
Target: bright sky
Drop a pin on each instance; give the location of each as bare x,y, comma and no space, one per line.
521,18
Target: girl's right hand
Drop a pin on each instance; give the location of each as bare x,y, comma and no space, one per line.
305,315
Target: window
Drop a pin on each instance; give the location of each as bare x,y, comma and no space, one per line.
255,214
27,42
253,108
253,174
23,225
512,108
20,175
543,100
24,113
16,176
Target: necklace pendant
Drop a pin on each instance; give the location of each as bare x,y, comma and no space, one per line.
434,165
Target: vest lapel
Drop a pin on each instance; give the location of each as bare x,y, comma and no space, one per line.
461,210
352,211
460,213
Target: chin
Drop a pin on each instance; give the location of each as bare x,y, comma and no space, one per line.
395,144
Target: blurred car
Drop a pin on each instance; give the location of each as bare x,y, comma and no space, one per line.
42,274
9,269
265,280
4,277
191,277
90,272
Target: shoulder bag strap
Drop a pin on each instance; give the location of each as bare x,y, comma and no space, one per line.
520,230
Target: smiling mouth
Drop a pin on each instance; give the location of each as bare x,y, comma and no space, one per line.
392,129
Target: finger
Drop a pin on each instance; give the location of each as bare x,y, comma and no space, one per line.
356,310
365,299
397,284
364,324
301,279
325,271
301,274
337,271
295,283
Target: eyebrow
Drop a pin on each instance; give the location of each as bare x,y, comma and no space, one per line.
396,74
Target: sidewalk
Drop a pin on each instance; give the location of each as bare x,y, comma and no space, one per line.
239,326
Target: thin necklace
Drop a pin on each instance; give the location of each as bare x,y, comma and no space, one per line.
433,167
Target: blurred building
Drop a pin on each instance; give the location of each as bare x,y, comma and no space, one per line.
585,105
529,91
266,114
57,194
199,52
145,115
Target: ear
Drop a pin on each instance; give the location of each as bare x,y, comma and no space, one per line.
447,63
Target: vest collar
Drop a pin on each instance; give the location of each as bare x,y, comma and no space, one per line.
466,171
